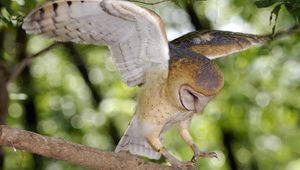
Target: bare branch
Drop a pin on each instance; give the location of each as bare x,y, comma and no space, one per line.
74,153
285,32
20,67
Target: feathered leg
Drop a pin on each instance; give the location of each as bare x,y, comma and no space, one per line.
185,134
154,141
134,141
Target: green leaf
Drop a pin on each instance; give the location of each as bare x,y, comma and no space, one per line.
8,19
184,3
275,12
294,9
266,3
180,3
7,5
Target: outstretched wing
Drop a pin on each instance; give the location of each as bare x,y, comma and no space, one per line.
214,44
135,35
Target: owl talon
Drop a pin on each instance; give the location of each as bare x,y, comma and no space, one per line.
204,155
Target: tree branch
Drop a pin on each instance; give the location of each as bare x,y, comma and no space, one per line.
74,153
285,32
3,107
3,98
20,67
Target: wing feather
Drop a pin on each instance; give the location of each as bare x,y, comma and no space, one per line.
214,44
135,35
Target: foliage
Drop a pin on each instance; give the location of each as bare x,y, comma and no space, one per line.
292,6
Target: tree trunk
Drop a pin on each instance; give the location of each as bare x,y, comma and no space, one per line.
3,106
25,81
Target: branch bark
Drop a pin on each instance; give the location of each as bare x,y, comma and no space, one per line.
73,153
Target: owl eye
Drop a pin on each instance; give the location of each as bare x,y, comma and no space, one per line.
192,100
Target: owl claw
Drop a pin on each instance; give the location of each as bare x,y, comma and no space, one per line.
204,154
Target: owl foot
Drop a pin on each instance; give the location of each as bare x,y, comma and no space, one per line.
198,154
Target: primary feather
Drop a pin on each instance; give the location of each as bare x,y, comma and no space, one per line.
214,44
135,35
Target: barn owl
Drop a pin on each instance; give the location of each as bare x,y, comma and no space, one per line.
177,78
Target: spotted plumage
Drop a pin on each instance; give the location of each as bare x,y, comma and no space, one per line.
177,79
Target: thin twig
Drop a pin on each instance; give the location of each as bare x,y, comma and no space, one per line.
20,67
285,32
74,153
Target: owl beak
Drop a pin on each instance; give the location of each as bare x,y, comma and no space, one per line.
192,100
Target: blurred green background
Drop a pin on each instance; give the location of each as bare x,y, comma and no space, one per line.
74,91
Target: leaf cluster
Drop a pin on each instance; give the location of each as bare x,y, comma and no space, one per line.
292,6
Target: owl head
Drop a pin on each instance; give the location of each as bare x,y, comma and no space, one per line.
193,79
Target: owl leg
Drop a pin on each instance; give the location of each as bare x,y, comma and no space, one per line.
154,141
185,134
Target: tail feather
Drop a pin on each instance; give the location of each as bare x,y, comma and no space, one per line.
134,141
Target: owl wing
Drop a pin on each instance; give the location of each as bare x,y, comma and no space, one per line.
134,35
214,44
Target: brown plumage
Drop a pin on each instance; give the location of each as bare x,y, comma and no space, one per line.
214,44
199,72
